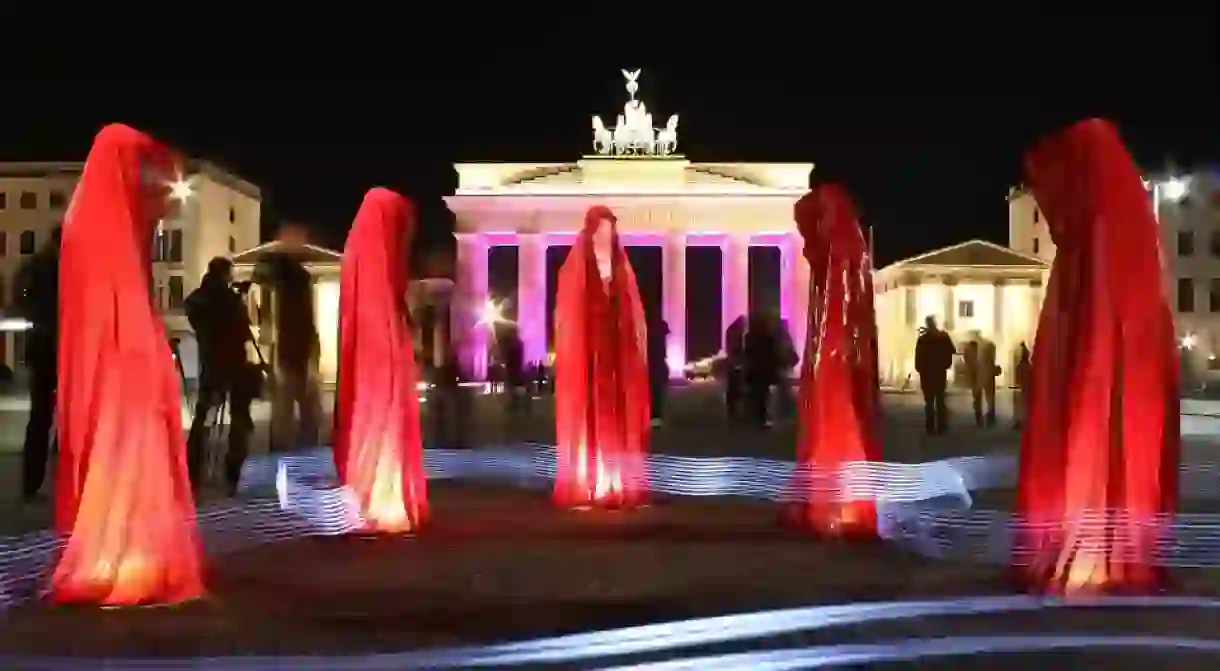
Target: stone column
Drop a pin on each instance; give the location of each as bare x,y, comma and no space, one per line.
997,320
949,304
794,291
469,335
673,302
531,295
998,325
735,280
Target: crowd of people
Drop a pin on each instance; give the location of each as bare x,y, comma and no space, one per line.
935,355
758,357
232,371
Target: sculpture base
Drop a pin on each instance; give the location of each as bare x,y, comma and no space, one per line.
849,522
1044,582
607,507
82,604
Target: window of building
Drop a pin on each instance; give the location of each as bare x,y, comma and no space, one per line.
1213,299
1037,215
29,200
908,300
232,215
3,200
175,292
3,244
232,244
175,246
1186,294
56,200
1186,243
26,243
3,298
965,309
1036,241
1215,244
157,241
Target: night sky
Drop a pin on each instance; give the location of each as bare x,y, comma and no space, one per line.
926,132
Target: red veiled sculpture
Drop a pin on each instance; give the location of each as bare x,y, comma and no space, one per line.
123,498
1100,451
378,452
601,373
839,397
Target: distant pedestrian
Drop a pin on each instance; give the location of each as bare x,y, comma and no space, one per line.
1021,376
37,296
934,351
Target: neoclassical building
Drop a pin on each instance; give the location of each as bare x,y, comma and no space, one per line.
974,286
660,198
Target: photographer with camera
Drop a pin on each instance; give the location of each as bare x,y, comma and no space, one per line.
218,316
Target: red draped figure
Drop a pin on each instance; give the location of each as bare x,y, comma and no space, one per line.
123,498
377,446
601,373
1099,453
839,397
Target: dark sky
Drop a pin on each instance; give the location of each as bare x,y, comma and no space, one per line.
926,131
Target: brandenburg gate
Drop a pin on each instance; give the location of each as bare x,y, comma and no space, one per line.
660,198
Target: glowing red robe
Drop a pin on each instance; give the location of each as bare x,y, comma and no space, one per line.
839,397
123,498
377,447
1102,439
601,377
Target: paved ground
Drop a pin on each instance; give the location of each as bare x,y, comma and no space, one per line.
695,426
502,564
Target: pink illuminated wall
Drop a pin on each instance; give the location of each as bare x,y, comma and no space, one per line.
473,337
470,335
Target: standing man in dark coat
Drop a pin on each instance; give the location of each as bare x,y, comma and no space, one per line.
222,328
658,368
934,351
37,294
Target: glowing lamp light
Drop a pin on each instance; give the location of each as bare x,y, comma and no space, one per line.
1188,341
15,324
1175,188
180,188
492,314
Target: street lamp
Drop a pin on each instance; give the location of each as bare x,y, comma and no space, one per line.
492,314
1171,190
1175,189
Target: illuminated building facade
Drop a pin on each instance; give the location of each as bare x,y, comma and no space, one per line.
323,266
974,286
220,215
661,199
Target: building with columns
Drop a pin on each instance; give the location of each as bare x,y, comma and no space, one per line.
660,198
974,286
667,202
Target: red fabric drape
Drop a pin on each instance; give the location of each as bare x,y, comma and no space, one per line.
377,444
123,498
1100,451
601,376
839,396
